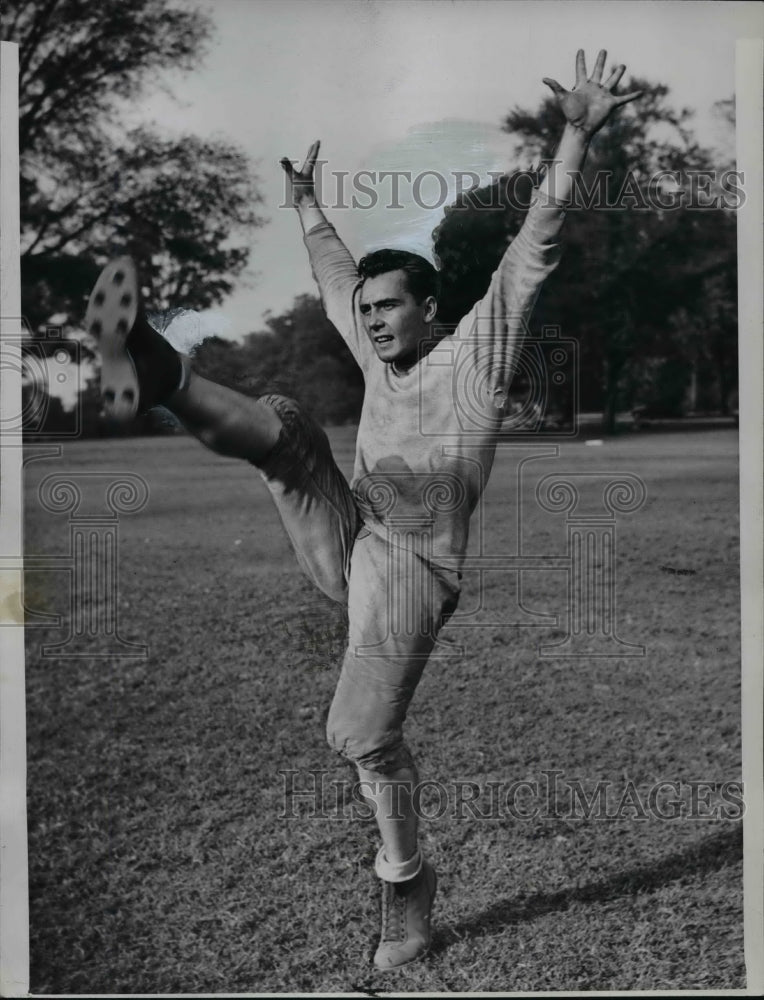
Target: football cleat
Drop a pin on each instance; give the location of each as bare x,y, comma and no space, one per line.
139,369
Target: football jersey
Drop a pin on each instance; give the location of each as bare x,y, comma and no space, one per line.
427,436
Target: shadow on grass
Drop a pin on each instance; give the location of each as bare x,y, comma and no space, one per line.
707,856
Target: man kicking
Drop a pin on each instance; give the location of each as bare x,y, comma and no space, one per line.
391,543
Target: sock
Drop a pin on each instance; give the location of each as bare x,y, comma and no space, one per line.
400,872
161,370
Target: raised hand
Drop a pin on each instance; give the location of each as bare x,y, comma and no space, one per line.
588,105
300,183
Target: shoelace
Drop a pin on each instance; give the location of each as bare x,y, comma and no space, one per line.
393,913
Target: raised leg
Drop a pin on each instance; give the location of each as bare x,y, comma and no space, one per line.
140,369
225,420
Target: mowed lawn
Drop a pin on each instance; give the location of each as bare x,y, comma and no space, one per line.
160,857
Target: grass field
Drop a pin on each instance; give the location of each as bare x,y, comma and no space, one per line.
159,861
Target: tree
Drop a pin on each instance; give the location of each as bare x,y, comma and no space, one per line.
299,354
629,265
173,204
91,187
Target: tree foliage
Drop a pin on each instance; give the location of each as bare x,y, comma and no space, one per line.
630,268
299,354
92,185
78,58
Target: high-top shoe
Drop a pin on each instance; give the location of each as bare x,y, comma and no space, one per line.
406,909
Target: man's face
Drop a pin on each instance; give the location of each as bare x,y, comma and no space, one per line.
395,322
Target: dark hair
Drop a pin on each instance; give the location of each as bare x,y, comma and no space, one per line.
421,276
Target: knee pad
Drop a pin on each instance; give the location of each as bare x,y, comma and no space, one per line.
300,440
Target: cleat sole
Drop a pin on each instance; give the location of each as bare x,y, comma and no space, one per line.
111,312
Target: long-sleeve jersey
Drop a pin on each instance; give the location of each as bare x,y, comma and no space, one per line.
427,437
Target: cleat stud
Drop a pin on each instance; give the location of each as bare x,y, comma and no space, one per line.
98,298
119,277
109,396
126,299
96,328
122,326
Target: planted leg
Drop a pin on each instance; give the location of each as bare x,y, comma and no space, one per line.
381,670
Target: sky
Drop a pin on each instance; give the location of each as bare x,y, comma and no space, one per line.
415,85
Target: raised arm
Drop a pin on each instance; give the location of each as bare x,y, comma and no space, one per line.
301,189
586,108
332,264
534,253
